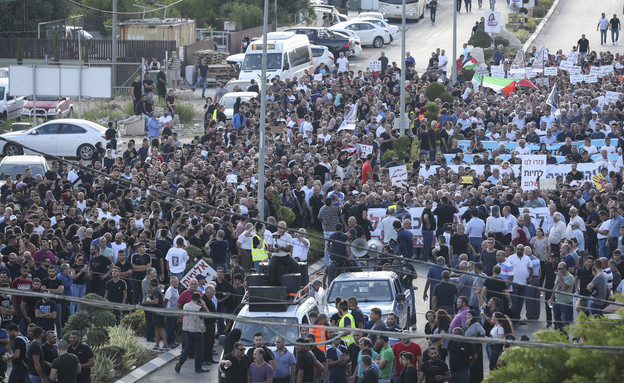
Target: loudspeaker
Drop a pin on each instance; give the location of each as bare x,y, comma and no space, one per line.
292,282
256,280
259,296
303,270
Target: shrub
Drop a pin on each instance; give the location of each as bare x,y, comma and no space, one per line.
104,367
287,215
135,353
468,74
480,39
437,90
194,252
128,108
104,319
78,322
501,41
97,337
539,11
185,112
135,321
116,354
317,246
91,308
388,154
432,112
402,147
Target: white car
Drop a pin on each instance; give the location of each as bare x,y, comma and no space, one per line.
369,15
68,137
357,45
369,34
242,85
321,54
395,32
229,99
14,165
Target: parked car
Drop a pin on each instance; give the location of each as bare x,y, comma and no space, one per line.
10,106
4,72
368,33
322,8
336,42
236,60
321,54
242,85
48,107
357,51
395,32
14,165
69,137
229,99
369,15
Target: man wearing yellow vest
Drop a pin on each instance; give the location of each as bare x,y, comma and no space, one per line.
258,246
319,333
346,321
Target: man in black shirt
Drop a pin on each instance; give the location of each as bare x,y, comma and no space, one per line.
305,362
223,293
18,357
54,285
433,370
235,364
547,279
85,356
116,288
371,375
125,272
497,287
140,263
49,351
66,367
157,258
35,357
444,213
584,276
98,270
209,335
445,294
259,343
461,356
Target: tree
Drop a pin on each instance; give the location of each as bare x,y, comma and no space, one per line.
568,365
12,16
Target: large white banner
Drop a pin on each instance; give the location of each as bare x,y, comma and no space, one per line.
539,216
533,167
588,169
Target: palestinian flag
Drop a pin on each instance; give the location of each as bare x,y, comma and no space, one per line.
505,85
470,64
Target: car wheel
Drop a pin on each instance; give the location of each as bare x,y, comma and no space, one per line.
12,150
378,42
86,151
391,39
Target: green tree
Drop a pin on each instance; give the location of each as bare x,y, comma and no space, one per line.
12,16
568,365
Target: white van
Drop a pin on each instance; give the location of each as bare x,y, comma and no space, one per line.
288,55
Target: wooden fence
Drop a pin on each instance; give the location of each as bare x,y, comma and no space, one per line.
99,50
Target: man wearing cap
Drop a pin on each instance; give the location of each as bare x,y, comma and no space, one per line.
201,282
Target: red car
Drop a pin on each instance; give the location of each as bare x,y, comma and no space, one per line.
49,107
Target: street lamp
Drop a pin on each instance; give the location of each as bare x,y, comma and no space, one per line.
263,87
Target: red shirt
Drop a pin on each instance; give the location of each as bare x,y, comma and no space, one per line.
366,168
20,284
185,298
398,348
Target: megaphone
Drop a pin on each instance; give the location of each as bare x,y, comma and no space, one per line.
375,246
359,247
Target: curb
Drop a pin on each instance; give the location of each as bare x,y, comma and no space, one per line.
540,26
151,366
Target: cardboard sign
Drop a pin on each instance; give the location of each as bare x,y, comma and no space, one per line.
547,184
606,70
200,267
612,97
572,57
600,182
590,78
550,71
366,150
576,78
574,69
374,65
533,168
398,173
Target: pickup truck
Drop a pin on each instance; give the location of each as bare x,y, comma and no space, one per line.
10,106
382,289
335,41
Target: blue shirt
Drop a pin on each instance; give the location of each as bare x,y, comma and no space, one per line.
153,128
405,239
238,120
338,248
616,222
3,335
67,282
435,276
283,363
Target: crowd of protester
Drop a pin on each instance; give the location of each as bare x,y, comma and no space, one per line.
107,228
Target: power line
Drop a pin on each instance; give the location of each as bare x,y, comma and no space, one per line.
124,13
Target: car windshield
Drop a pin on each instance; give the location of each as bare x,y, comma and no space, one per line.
364,291
289,332
253,61
14,169
243,85
228,102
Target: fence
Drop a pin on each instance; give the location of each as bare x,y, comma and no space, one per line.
99,50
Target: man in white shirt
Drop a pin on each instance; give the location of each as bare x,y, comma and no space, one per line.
281,248
165,119
176,259
574,217
523,274
442,61
589,148
301,246
474,230
557,232
244,244
607,146
522,148
343,63
387,230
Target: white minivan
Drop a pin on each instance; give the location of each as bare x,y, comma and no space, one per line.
288,55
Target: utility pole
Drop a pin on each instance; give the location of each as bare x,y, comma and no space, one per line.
404,68
492,3
454,72
263,89
114,46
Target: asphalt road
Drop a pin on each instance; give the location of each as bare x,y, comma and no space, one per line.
572,18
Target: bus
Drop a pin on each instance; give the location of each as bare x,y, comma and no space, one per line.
393,9
288,55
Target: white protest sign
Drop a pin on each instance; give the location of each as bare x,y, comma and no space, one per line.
574,69
200,267
542,81
366,150
590,78
231,178
573,57
318,77
576,78
595,70
482,70
533,168
530,73
550,71
498,71
547,184
606,69
398,174
612,97
374,65
517,73
492,22
564,65
602,101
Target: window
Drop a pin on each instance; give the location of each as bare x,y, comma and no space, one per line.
317,52
364,27
299,56
72,129
48,129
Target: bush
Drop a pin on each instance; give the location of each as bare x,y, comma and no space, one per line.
104,367
402,147
135,321
480,39
287,215
501,41
135,353
104,319
128,108
388,154
185,112
317,246
539,11
116,354
468,74
437,90
194,252
91,308
432,112
78,322
97,337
